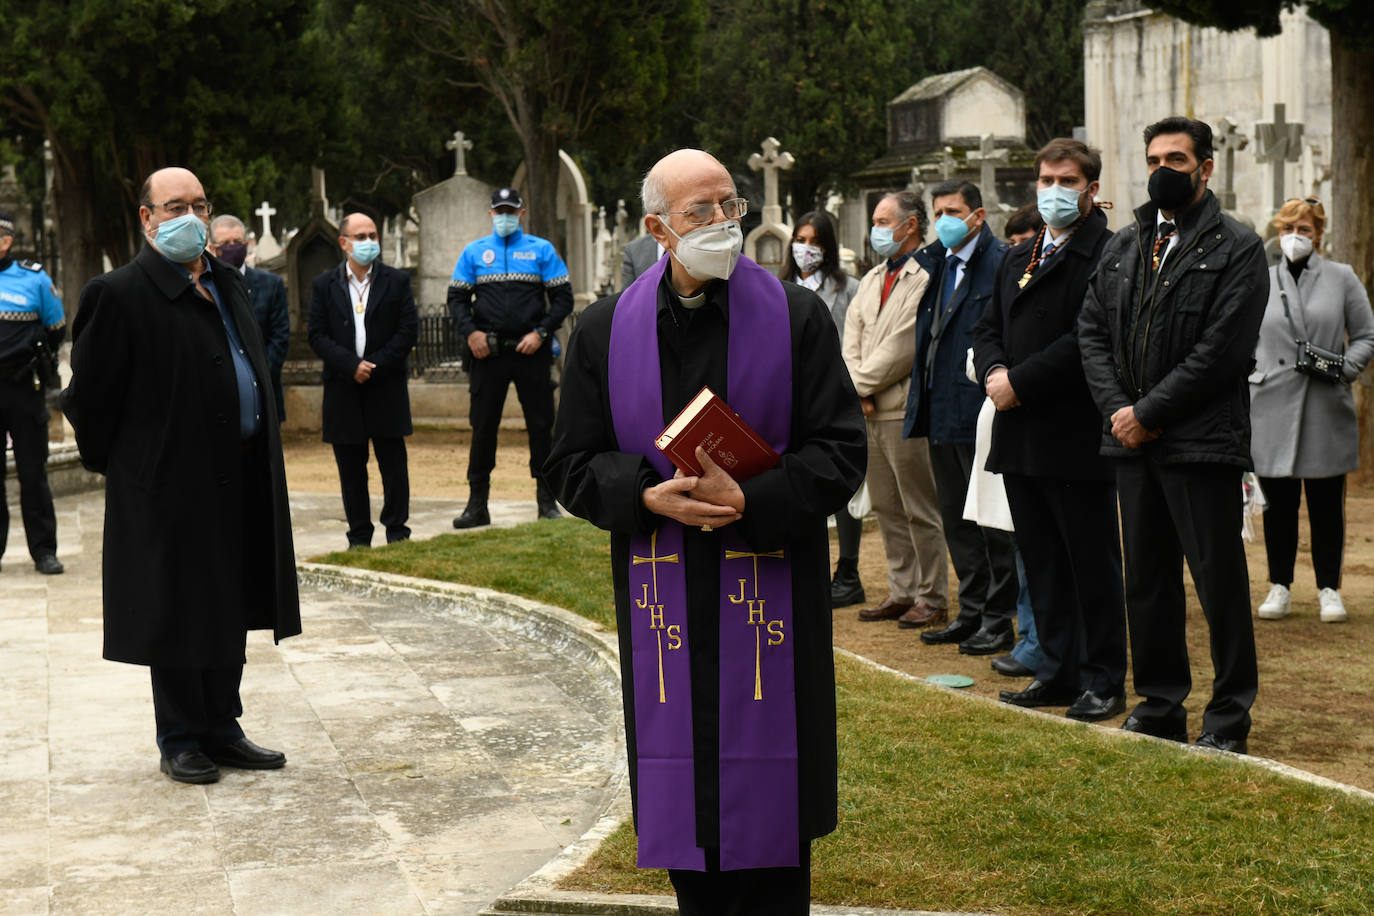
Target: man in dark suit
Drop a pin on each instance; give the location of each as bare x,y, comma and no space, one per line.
166,397
266,296
1045,441
639,255
943,404
363,324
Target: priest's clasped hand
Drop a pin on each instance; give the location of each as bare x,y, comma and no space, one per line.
712,500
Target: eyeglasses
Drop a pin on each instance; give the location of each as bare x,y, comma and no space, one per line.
701,214
201,208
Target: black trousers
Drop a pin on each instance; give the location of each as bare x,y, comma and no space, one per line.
1325,512
25,417
747,892
984,558
1068,536
850,530
489,380
1169,512
351,458
196,708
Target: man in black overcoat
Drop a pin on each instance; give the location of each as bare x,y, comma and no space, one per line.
266,297
169,401
1045,439
690,303
363,323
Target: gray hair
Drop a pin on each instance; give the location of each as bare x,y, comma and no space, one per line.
652,194
229,221
909,205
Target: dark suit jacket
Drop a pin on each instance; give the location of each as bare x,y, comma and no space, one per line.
379,407
639,255
267,296
197,543
1056,432
948,412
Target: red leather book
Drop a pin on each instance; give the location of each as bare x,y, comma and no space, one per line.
709,422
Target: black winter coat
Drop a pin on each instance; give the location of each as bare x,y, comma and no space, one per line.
1033,331
197,546
379,407
1200,329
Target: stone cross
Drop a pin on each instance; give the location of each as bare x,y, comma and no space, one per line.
266,212
771,162
988,157
1280,142
947,163
319,204
1230,140
459,144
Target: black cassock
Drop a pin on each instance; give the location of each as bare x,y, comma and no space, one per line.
785,507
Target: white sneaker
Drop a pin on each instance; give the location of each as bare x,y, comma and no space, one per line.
1333,609
1276,605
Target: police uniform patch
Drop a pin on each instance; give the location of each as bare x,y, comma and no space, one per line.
31,265
488,257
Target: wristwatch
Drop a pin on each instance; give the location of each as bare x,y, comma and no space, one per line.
543,334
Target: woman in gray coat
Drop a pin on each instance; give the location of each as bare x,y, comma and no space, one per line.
813,261
1305,431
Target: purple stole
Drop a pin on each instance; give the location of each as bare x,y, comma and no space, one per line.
759,805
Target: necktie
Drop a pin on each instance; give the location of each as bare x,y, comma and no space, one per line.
1165,232
952,263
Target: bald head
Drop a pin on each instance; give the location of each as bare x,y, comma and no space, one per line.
683,168
168,194
157,185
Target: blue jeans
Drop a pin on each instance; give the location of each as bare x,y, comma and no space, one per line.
1027,648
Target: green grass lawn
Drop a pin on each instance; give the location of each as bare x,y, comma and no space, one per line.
947,804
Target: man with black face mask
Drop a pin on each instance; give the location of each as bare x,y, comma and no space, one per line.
266,295
1167,332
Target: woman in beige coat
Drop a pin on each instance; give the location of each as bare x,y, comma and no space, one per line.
1305,435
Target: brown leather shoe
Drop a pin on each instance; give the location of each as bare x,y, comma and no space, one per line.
922,615
888,610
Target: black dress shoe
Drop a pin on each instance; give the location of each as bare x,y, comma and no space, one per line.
987,642
191,766
1155,729
955,632
473,518
48,565
1218,743
846,589
1093,707
1008,665
245,755
1039,694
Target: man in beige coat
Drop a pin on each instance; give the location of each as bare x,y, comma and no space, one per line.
879,348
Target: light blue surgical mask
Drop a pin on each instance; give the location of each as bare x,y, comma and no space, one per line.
1058,205
366,251
951,231
181,239
505,224
880,237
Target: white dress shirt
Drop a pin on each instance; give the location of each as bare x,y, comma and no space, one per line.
357,293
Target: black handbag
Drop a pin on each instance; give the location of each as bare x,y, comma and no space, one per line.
1314,361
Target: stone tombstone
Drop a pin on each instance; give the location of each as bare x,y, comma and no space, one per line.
312,250
267,248
1141,66
766,244
576,242
449,214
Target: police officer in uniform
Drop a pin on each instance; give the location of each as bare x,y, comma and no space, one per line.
497,299
32,326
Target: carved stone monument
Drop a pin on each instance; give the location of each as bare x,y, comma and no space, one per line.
451,214
574,217
1279,142
311,251
767,242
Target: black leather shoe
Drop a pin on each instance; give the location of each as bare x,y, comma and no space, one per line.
1155,729
1218,743
1093,707
1039,694
191,766
955,632
473,518
1008,665
846,589
245,755
48,565
987,642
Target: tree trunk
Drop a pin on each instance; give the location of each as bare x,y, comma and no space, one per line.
78,238
541,199
1352,113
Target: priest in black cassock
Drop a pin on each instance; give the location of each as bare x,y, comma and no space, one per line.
721,588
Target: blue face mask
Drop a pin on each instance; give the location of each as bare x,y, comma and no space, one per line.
951,231
181,239
505,224
880,237
366,251
1058,205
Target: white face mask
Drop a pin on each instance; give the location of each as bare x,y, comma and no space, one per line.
807,257
710,252
1295,247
